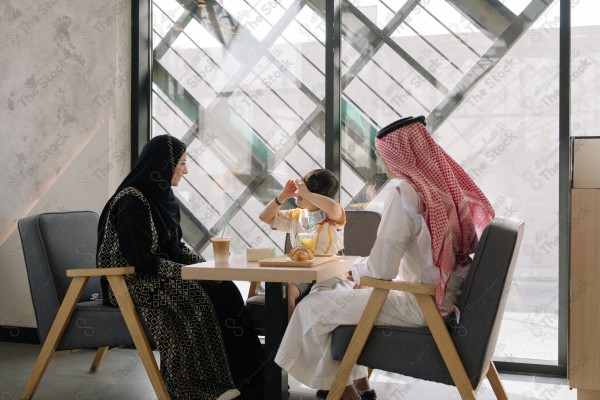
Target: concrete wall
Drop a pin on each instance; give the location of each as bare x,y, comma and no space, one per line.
65,70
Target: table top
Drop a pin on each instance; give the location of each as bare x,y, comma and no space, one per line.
238,269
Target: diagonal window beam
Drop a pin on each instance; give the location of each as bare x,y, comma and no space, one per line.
487,61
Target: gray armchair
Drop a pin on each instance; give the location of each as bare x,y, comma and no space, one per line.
360,232
60,257
446,351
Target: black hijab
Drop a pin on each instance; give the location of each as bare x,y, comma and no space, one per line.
151,175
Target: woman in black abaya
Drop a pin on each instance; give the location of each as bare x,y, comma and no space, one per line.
208,348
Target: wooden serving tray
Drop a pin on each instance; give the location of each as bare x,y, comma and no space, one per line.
285,261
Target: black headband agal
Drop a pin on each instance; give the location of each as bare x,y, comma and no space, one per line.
399,124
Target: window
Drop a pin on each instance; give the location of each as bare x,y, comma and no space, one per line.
243,84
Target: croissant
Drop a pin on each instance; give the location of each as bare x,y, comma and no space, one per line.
301,253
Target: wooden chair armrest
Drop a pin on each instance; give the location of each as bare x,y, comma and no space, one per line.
100,271
414,288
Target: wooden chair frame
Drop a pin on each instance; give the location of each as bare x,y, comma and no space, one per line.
425,295
253,290
117,282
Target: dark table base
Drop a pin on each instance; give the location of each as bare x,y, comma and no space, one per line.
276,379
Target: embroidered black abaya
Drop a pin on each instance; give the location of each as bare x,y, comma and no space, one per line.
208,348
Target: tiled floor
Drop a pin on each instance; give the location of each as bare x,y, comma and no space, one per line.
122,376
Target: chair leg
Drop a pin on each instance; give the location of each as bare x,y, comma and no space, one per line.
357,343
98,358
56,331
253,290
446,346
496,383
138,335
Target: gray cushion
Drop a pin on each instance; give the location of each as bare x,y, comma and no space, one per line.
420,357
52,244
93,323
360,232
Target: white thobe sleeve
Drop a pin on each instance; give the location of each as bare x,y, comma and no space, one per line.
395,233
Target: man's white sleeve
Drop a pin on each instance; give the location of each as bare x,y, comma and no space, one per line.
393,236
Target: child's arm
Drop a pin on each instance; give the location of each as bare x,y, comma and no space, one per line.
332,208
272,208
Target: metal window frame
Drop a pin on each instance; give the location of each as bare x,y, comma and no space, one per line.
564,183
141,114
141,75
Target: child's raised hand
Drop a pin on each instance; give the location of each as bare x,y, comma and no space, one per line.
301,188
288,190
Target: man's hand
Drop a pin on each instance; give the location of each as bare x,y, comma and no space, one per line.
356,285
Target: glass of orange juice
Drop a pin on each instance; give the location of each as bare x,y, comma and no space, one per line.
308,239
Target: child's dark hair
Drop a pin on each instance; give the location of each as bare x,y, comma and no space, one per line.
322,181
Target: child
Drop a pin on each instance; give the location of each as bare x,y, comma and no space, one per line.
317,212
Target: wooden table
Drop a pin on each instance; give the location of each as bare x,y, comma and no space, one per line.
238,269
